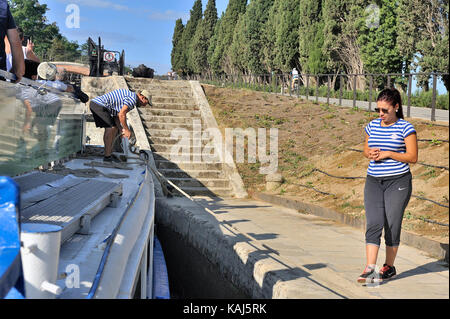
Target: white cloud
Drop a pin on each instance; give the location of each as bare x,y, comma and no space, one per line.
169,15
98,4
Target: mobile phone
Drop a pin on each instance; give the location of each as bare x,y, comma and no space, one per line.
25,40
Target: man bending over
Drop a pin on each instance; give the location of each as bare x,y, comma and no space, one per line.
110,112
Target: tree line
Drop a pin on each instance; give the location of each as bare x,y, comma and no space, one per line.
49,43
316,37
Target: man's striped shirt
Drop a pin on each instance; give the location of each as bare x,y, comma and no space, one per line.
115,100
388,138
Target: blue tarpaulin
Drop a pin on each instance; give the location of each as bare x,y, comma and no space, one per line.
11,275
160,276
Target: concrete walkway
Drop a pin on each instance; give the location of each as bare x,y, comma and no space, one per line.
270,251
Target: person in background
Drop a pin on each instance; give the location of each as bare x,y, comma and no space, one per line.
28,49
110,111
8,31
30,57
391,145
294,77
53,76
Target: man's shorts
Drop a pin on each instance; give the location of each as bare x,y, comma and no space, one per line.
102,117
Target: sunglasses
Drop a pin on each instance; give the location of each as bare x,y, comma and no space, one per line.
385,111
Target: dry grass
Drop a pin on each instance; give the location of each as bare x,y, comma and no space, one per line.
316,136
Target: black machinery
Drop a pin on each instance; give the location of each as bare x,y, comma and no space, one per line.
101,59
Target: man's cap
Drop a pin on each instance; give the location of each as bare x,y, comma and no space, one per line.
147,95
47,71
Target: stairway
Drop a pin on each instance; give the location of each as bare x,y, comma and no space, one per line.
175,108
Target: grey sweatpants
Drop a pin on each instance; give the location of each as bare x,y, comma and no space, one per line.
385,200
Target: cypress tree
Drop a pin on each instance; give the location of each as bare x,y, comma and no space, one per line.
177,47
220,60
341,46
239,47
202,38
188,35
423,37
269,37
311,40
212,61
378,39
256,16
287,36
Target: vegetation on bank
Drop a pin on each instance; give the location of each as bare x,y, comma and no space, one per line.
316,37
420,98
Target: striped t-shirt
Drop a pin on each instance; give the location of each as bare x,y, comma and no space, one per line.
115,100
388,138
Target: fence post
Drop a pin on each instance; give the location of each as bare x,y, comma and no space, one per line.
370,92
354,90
340,89
433,101
328,90
317,89
408,112
289,80
388,81
307,87
276,83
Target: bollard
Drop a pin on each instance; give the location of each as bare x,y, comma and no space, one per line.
273,181
40,258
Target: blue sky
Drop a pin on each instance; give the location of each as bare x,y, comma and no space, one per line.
143,28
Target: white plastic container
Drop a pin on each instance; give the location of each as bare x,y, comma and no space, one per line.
40,258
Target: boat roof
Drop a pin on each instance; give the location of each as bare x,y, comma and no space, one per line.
83,189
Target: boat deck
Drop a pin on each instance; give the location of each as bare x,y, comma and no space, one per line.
89,207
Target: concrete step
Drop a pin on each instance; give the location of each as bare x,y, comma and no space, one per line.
200,182
168,148
190,166
211,191
164,112
193,182
158,92
163,86
8,139
95,91
171,119
158,133
167,134
175,106
178,158
158,84
171,99
179,141
167,126
8,147
198,174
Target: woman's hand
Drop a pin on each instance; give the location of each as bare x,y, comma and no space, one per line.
382,155
374,153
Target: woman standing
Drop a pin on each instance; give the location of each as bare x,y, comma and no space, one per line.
390,144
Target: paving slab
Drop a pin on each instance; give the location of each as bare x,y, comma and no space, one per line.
285,254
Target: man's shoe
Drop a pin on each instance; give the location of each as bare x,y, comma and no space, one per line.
111,159
388,272
369,276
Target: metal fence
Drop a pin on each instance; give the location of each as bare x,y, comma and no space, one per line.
344,89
